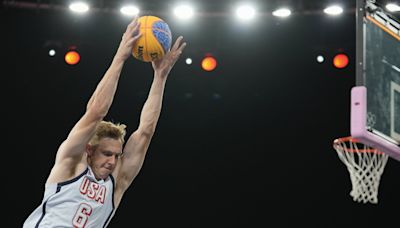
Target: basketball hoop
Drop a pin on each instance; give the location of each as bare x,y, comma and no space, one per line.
365,165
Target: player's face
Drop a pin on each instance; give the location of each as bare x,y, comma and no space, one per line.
105,157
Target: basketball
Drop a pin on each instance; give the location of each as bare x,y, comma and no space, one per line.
155,40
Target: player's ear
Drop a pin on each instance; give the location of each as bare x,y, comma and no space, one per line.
89,149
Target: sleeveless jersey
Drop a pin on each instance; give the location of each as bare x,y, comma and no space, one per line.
80,202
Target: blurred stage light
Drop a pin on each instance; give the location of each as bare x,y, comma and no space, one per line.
52,52
333,10
72,57
51,47
340,61
392,7
320,59
79,7
282,12
245,12
129,10
183,12
209,63
188,61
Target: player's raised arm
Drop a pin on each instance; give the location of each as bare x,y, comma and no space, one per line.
138,143
72,150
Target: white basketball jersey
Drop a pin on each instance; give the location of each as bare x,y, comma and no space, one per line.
80,202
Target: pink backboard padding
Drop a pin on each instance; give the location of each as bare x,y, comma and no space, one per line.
358,126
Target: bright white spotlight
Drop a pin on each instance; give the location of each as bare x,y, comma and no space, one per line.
52,52
282,12
245,12
183,12
189,61
333,10
320,59
129,10
393,7
79,7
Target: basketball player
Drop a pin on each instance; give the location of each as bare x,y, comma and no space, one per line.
93,168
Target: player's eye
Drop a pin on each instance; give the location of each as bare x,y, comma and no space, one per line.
108,154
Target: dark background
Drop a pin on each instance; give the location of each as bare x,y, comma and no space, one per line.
247,145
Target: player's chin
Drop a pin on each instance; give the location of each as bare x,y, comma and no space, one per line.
105,172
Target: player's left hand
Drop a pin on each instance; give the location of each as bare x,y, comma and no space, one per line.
164,65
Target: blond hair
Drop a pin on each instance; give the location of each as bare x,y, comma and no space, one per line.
108,129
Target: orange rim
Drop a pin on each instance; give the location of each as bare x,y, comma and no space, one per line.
338,143
383,27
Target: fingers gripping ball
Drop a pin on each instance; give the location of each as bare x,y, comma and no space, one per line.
155,40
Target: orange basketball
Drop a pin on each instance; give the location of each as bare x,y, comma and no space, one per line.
155,40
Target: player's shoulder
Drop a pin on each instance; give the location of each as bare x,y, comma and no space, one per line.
63,172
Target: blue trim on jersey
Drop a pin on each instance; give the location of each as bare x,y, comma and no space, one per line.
43,213
59,185
113,186
112,198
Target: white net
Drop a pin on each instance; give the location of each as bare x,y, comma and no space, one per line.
365,165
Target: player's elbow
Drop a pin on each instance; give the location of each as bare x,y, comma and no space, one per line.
97,111
147,130
148,125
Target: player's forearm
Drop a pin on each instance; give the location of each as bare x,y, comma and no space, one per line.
103,96
152,107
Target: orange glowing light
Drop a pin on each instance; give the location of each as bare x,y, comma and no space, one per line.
340,61
209,63
72,57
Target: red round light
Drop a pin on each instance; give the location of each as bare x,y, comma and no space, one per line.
72,57
341,61
209,63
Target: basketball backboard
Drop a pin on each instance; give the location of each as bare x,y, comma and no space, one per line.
375,100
